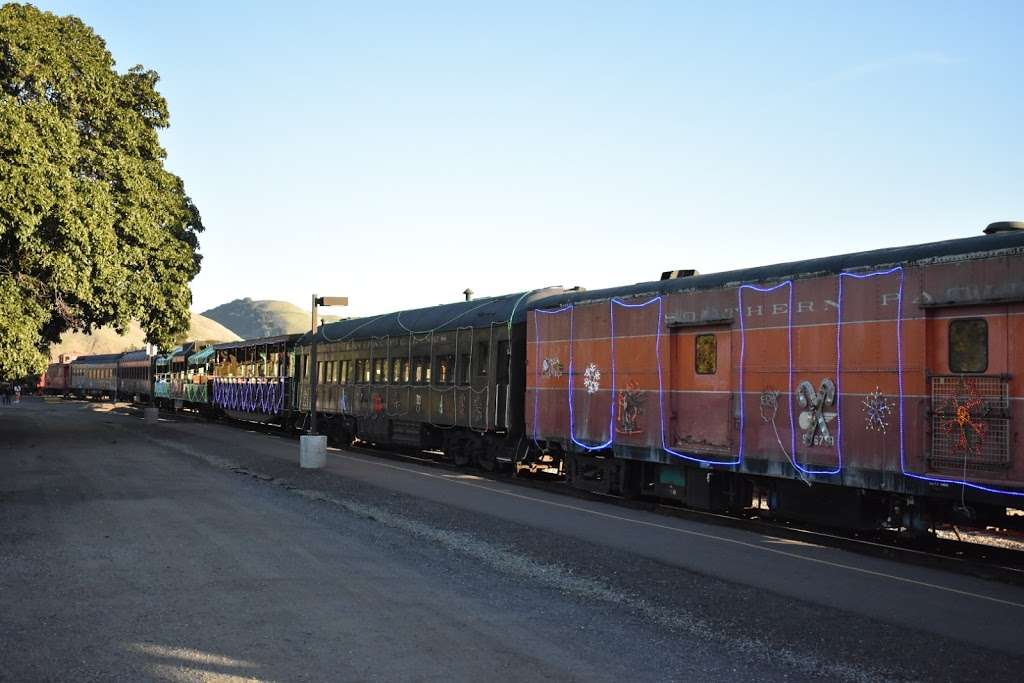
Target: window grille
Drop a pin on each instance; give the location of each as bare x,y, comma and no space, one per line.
970,423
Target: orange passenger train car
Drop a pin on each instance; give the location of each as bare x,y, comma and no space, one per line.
876,386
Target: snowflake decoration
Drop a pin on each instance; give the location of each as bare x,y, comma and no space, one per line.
878,410
963,413
592,378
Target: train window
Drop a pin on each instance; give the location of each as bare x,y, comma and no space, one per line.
380,371
968,345
445,370
481,358
464,369
504,360
421,371
396,370
706,354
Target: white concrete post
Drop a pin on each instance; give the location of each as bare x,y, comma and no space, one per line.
312,451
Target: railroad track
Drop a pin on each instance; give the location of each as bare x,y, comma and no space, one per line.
975,559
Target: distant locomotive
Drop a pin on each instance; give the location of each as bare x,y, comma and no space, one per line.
875,386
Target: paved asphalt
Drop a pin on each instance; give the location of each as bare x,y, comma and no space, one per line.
198,551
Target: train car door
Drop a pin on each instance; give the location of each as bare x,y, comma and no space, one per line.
969,363
501,385
699,391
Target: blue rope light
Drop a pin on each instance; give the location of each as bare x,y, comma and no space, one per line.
249,395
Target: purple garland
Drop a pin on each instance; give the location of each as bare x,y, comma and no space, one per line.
249,395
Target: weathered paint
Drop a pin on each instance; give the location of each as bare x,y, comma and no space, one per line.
703,416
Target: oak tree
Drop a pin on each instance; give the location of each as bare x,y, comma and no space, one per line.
93,229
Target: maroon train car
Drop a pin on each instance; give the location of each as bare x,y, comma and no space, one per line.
57,378
861,387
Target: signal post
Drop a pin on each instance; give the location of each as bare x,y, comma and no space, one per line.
313,446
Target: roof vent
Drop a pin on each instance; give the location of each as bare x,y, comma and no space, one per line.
1004,226
674,274
468,293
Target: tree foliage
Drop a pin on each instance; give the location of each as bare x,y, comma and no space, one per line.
93,229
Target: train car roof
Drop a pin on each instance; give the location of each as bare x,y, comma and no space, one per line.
183,349
202,356
261,341
982,245
98,359
139,354
508,308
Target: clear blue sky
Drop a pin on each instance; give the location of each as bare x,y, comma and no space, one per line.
398,153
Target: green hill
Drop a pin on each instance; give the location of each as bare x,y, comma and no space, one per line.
253,319
106,340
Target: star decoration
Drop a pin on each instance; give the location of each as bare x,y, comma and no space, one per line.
878,410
